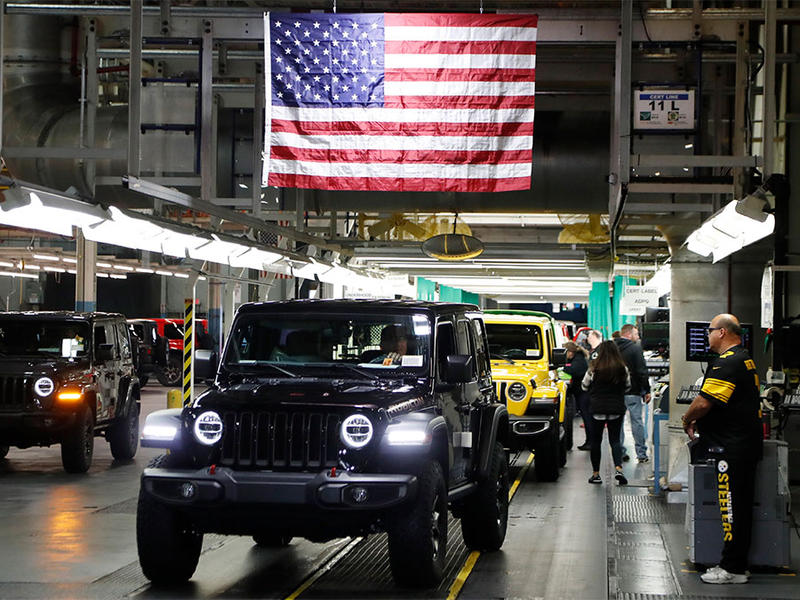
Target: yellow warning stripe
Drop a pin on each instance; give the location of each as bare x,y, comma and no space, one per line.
469,564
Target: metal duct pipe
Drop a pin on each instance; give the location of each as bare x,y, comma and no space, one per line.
41,105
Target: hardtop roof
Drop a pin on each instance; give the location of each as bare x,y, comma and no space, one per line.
355,305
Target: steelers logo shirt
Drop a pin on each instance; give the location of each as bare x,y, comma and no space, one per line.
734,421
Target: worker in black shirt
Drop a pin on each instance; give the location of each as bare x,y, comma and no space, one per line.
726,414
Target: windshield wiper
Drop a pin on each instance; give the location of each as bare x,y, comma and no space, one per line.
255,366
501,357
352,368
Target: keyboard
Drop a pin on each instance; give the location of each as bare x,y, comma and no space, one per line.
687,394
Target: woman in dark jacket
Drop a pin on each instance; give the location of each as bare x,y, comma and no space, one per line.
607,380
578,358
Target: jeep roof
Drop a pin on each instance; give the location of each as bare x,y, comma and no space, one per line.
59,315
345,305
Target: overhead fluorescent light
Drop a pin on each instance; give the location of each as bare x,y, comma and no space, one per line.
46,257
735,226
123,268
72,261
15,274
144,270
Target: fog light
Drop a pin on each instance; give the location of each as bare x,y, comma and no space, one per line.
359,494
188,490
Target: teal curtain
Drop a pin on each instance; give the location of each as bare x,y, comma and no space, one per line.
449,294
426,289
619,292
600,308
470,298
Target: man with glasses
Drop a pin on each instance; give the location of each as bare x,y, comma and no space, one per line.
726,414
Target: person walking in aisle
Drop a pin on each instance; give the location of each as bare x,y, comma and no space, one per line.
578,358
631,351
607,380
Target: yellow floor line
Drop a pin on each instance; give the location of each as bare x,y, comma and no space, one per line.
469,564
324,569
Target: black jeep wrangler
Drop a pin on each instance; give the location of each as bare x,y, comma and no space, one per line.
66,377
333,418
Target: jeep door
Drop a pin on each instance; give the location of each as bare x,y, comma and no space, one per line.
125,370
106,372
450,399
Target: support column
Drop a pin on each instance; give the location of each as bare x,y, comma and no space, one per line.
135,88
86,273
215,307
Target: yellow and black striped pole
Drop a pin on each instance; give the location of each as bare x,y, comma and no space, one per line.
188,349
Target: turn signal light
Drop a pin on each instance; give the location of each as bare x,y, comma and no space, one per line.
70,396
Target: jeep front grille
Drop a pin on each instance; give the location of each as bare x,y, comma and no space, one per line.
12,393
501,390
291,441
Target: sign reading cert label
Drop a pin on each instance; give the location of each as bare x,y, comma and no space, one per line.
637,299
663,109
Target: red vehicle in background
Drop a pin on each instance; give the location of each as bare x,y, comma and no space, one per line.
172,329
580,336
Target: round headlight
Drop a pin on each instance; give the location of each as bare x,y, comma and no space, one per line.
356,431
44,386
516,391
208,428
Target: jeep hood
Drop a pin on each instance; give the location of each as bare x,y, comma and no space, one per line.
271,393
33,366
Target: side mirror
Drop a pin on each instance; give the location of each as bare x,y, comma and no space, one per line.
205,364
559,358
105,353
459,368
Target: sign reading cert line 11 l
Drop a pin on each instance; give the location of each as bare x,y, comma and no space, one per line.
663,109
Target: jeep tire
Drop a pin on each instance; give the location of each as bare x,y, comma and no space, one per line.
484,518
547,459
418,536
124,435
168,546
77,447
170,374
3,452
271,540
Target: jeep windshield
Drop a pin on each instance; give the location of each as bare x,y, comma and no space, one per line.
515,340
50,338
365,345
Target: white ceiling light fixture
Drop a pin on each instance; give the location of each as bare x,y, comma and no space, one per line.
737,225
43,211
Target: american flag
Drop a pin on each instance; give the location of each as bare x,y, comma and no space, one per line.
399,102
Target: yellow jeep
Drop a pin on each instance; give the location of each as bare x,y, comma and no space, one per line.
524,361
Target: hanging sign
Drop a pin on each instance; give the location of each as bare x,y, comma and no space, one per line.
663,109
637,299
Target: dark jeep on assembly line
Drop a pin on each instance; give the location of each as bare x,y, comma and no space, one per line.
66,377
333,418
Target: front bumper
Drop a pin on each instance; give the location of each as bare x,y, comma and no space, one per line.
226,487
27,428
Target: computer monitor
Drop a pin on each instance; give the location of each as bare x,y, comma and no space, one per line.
697,349
655,336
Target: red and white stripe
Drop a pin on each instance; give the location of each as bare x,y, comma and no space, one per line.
458,115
